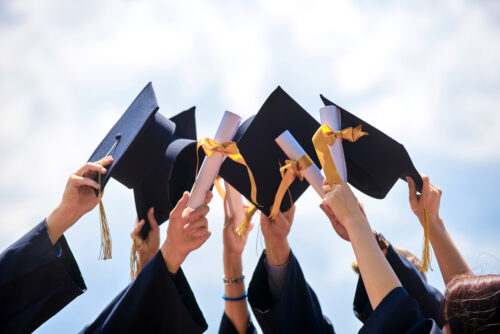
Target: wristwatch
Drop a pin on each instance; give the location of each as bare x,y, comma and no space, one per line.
381,241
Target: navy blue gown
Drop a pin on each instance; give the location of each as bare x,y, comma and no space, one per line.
157,301
37,279
297,311
399,313
428,298
227,327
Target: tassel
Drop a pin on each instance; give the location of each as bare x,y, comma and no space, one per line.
133,262
105,253
426,252
242,229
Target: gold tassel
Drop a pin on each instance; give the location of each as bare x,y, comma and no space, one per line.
426,252
133,262
105,253
242,229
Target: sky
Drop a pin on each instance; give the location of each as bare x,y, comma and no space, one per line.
427,73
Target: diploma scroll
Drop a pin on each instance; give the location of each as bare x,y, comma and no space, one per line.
330,116
294,151
211,164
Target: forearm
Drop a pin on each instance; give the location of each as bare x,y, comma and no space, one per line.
277,252
450,260
58,221
236,310
378,276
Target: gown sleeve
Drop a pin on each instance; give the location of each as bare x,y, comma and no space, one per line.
227,327
428,298
37,279
399,313
157,301
296,311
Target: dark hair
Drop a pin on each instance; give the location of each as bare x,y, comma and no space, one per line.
472,304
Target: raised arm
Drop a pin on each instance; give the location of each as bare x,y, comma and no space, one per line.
235,305
78,198
451,262
378,276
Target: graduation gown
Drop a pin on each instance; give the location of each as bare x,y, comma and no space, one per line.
157,301
37,279
428,298
227,327
399,313
297,311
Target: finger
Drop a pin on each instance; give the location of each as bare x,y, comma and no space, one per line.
202,211
106,161
289,214
426,182
202,233
208,197
181,205
137,229
84,181
250,228
199,223
325,182
227,212
152,220
91,167
412,189
264,219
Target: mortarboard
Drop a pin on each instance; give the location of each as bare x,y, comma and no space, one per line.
256,141
149,152
375,162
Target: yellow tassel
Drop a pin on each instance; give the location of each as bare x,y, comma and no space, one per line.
426,252
105,253
242,229
133,262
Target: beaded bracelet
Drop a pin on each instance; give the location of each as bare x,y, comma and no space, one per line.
231,281
235,298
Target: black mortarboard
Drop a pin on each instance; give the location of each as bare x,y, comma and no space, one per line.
255,140
374,162
149,150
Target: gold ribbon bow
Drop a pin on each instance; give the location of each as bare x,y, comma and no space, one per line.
325,137
230,150
289,172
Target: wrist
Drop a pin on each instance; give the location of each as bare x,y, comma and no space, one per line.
58,221
278,252
356,225
173,258
232,265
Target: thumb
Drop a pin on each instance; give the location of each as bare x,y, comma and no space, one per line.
152,220
181,205
412,188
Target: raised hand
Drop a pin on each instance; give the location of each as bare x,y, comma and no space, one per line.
187,231
430,199
146,248
233,243
275,236
78,198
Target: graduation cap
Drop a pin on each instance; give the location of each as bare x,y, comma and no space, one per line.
374,163
149,152
255,140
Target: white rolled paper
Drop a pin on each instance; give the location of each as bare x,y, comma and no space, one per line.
211,165
294,151
235,201
330,116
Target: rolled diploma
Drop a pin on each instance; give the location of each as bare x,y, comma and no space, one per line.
330,116
211,165
235,201
294,151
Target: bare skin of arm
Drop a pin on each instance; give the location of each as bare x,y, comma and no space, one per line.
236,310
78,198
378,276
450,260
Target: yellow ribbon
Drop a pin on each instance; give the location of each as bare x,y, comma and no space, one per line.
230,150
290,171
242,229
325,137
